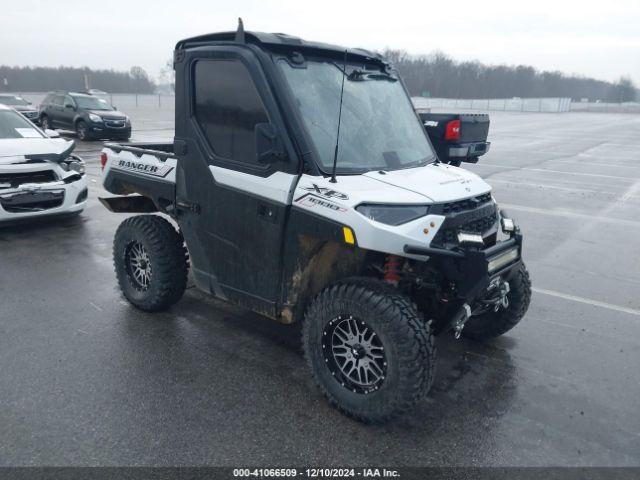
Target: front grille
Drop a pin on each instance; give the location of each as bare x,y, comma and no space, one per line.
474,215
32,201
466,204
14,180
114,122
450,235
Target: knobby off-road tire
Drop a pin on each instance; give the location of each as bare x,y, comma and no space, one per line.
399,335
151,262
493,324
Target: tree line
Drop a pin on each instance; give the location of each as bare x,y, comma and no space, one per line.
44,79
438,75
435,75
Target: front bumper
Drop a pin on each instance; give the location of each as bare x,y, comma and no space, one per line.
104,130
32,115
472,270
469,152
44,199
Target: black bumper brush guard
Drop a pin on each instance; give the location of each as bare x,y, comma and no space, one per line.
473,269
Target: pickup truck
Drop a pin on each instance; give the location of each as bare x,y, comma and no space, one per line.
456,137
303,186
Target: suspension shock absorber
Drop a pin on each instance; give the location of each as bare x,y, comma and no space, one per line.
391,269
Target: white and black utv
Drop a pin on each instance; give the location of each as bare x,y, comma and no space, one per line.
304,188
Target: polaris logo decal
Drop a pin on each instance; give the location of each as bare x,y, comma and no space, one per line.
311,201
148,168
326,192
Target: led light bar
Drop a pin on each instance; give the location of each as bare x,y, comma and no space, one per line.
470,238
503,259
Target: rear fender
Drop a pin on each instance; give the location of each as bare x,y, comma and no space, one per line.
129,204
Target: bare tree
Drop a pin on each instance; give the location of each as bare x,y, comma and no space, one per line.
438,75
168,75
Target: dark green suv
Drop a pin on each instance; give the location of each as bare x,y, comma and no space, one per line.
89,116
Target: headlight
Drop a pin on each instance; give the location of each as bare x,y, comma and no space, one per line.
77,166
393,214
95,118
127,120
74,164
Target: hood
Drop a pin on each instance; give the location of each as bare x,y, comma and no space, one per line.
438,182
14,150
24,108
108,113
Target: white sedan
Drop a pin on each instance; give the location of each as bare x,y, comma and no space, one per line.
39,176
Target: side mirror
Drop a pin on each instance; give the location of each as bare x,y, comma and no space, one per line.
51,133
269,148
68,105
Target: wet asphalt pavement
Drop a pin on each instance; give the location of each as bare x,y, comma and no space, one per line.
85,379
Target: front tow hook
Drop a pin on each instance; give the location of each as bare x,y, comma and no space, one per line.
504,299
460,318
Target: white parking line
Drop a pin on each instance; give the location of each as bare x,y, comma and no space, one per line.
515,167
582,182
587,301
566,189
553,187
606,165
566,213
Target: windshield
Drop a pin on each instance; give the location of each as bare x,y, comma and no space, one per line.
92,103
14,125
379,129
13,101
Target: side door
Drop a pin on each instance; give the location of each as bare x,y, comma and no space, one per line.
233,206
54,110
68,112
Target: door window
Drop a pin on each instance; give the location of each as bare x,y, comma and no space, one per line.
227,108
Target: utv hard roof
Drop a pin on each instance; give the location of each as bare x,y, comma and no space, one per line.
275,41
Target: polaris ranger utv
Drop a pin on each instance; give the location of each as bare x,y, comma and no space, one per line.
304,188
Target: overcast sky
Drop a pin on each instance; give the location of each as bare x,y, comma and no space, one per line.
599,39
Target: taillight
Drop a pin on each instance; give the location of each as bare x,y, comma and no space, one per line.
103,159
452,131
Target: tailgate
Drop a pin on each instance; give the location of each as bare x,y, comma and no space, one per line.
474,128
